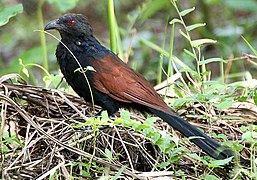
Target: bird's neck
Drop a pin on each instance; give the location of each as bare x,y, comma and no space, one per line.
68,37
91,41
89,45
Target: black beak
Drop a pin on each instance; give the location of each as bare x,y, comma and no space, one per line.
52,25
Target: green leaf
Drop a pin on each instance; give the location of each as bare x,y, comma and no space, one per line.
219,163
164,165
90,68
47,80
194,26
255,97
25,71
125,115
211,177
8,12
142,127
183,34
164,142
87,68
150,121
250,137
23,68
86,174
131,123
195,156
155,136
64,6
118,174
105,116
56,79
108,153
118,121
175,20
223,137
4,150
250,46
206,61
189,53
152,7
224,104
199,42
186,11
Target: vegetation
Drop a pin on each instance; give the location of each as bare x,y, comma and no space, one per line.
201,55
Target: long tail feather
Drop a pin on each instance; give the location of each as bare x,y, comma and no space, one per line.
207,144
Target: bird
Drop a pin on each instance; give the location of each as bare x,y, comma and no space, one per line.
112,84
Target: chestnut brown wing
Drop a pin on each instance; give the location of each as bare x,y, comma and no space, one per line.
119,81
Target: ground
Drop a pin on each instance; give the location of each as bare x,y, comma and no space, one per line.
48,132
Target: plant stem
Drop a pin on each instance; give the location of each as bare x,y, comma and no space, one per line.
170,72
42,35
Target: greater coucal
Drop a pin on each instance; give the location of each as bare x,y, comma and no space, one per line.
113,83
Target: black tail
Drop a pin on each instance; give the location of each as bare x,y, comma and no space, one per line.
207,144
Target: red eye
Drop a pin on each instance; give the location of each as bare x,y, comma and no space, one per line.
71,22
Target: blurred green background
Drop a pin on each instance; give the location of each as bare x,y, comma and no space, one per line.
226,21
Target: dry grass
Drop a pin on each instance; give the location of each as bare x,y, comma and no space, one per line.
48,139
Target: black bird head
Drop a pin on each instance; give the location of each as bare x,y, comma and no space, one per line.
71,24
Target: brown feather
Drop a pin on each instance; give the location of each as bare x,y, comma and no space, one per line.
122,83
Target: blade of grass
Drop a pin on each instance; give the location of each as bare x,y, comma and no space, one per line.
250,46
170,72
159,78
115,40
118,41
111,19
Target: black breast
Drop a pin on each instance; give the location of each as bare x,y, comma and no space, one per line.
70,68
